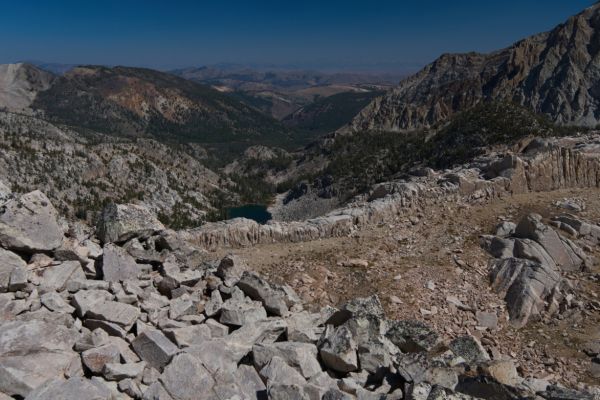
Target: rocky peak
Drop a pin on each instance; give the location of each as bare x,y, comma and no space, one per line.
553,73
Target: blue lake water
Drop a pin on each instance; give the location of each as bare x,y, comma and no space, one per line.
256,212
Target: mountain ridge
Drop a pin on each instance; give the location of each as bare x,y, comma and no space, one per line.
553,73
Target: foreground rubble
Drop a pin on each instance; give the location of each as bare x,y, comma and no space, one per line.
154,318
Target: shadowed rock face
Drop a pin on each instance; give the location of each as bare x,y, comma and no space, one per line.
554,73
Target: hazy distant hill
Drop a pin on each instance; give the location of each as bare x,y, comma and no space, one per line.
281,92
141,102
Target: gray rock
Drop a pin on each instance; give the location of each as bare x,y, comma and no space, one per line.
96,358
531,227
181,306
127,354
303,327
91,339
338,350
216,329
121,314
505,229
131,388
442,376
9,261
214,305
30,224
18,280
300,356
368,307
487,319
5,193
110,327
117,372
94,249
189,335
56,277
54,302
71,389
185,378
469,348
238,313
258,289
591,348
277,371
374,356
154,348
250,382
412,367
535,385
527,286
34,352
156,391
230,269
553,392
119,223
265,331
411,336
532,250
498,247
85,300
118,265
503,371
217,355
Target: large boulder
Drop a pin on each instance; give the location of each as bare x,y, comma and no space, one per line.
30,224
527,286
531,227
121,222
32,352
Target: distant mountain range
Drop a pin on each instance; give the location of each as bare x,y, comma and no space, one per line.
134,102
280,93
556,73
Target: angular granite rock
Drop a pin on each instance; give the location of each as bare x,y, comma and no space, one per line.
119,223
30,224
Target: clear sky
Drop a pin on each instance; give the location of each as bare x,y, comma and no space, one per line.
325,34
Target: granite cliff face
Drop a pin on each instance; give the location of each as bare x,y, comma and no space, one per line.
553,73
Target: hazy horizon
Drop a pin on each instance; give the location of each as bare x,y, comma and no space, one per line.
334,37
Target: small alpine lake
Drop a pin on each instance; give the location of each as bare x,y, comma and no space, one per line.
256,212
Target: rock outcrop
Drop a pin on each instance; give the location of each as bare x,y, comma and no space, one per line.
529,265
552,73
543,165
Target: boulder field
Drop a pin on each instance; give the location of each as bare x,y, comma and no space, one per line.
137,312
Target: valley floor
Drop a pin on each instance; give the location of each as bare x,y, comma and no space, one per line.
430,267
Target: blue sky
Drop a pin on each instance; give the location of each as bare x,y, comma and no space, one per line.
350,35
